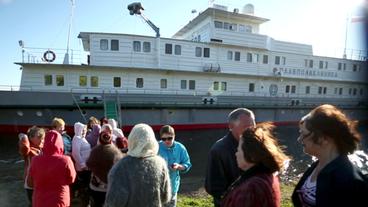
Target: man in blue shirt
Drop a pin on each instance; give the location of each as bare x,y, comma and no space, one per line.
176,157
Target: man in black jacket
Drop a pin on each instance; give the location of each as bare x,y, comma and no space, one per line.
222,169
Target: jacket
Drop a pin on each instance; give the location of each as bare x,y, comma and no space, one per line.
51,173
27,151
339,183
222,169
80,147
177,153
138,182
100,161
255,187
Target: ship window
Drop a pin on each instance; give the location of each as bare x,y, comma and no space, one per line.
319,90
256,56
139,83
355,66
293,89
277,60
136,46
233,27
48,80
226,25
117,82
191,84
206,52
265,59
218,24
163,83
361,91
146,47
115,45
198,52
216,86
177,50
339,66
287,89
307,89
320,64
326,64
249,57
283,60
229,55
60,80
241,28
82,80
248,28
168,48
354,91
251,87
305,63
344,66
311,63
324,90
223,86
94,81
340,91
183,84
237,56
104,44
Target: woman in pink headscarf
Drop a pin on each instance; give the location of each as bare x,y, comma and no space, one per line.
51,173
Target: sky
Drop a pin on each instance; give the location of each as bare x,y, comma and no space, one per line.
45,24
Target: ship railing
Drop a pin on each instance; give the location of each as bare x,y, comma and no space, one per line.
348,53
9,88
194,93
52,56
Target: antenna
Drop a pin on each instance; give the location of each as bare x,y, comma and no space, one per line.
135,8
66,57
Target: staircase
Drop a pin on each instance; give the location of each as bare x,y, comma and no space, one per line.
112,107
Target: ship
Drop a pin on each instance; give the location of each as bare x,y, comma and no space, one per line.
217,62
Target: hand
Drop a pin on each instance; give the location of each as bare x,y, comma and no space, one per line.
176,166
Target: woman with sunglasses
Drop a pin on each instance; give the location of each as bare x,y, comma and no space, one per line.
327,134
176,157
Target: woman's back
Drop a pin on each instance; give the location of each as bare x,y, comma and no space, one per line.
139,182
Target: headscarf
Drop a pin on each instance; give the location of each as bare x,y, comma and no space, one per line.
142,141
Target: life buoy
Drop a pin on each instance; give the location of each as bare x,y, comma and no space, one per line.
49,56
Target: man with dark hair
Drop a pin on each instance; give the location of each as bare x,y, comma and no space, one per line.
222,169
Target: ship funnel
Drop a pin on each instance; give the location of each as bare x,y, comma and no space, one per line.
248,9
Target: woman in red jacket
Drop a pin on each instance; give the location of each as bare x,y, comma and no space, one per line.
259,157
51,173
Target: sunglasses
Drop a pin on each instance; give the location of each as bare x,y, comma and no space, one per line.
166,139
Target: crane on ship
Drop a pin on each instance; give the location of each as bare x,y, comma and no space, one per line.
136,8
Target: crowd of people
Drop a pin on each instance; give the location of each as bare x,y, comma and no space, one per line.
101,167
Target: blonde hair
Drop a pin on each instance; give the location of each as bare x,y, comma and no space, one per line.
57,122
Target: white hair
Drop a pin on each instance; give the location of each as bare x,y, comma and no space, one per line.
142,141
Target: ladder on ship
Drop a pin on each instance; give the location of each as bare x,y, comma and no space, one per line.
112,108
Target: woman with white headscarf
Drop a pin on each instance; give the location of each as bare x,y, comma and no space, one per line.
141,179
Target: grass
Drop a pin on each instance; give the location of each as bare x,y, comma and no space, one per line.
205,200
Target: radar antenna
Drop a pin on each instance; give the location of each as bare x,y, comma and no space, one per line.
136,8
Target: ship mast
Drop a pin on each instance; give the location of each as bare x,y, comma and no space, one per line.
66,57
